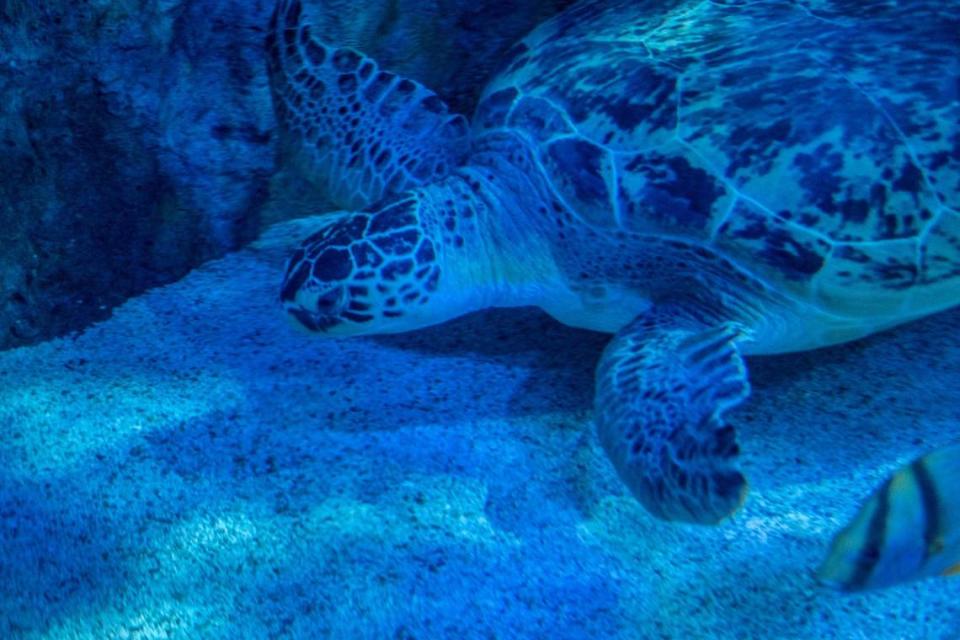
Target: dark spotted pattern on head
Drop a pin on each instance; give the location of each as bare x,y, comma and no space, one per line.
327,278
365,133
815,142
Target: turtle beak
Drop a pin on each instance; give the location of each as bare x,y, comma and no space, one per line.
326,315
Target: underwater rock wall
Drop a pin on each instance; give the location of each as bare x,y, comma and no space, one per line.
137,137
136,144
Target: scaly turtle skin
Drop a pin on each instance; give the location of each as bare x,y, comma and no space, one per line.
702,179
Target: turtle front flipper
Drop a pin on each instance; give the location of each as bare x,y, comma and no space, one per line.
663,385
362,132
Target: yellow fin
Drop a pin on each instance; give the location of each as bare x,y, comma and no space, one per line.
952,571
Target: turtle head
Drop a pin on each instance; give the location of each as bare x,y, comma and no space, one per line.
378,271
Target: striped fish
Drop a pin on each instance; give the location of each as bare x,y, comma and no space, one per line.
908,529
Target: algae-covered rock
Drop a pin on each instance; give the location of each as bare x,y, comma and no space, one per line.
136,144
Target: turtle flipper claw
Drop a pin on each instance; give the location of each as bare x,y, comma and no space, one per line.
660,398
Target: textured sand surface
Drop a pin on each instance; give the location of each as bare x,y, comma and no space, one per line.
194,467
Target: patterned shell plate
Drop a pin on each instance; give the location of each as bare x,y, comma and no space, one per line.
815,142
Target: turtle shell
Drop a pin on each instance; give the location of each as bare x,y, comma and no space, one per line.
814,143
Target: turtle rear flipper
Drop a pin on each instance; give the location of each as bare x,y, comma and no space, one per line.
363,133
662,388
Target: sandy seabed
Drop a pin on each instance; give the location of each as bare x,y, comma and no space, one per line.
194,467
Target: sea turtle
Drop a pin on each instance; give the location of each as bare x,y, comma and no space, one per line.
703,179
450,45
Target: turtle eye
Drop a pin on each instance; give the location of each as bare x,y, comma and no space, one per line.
330,299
